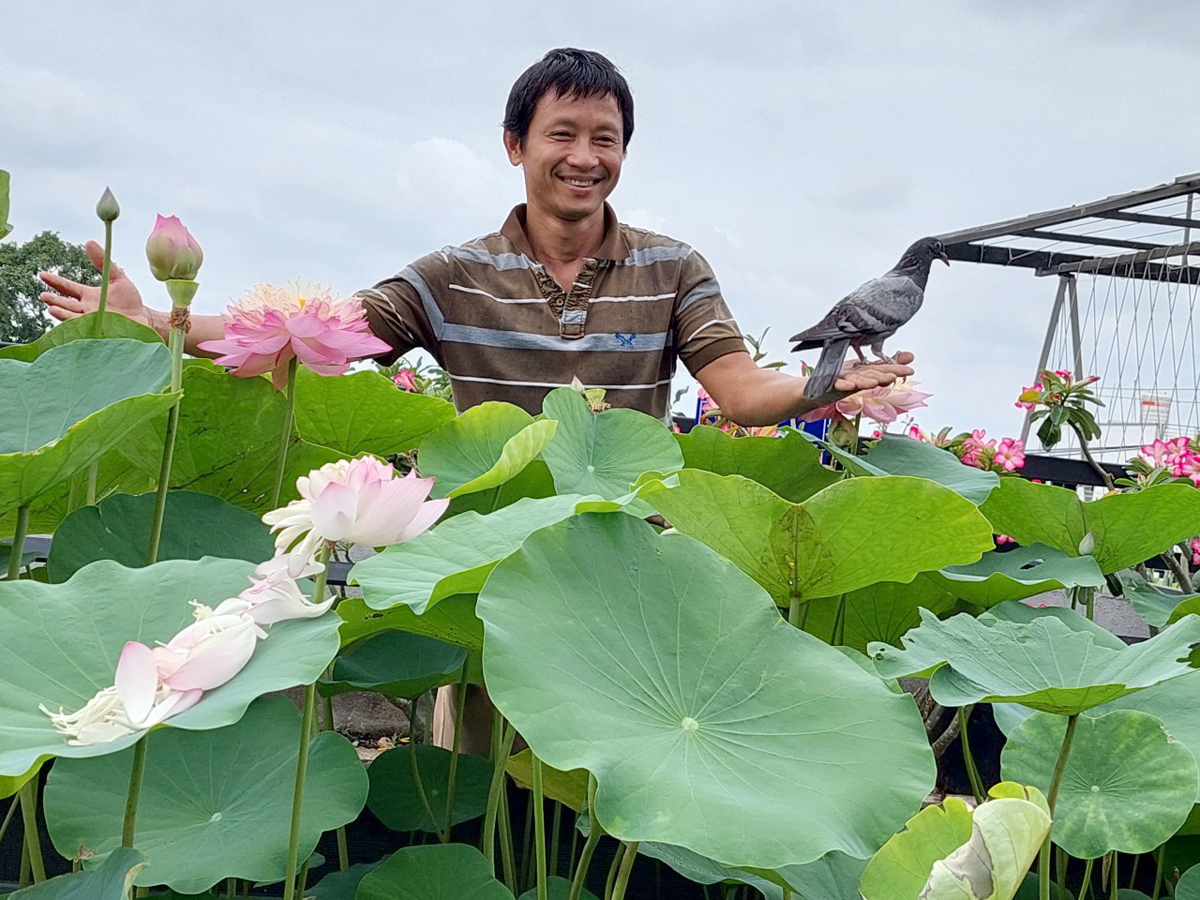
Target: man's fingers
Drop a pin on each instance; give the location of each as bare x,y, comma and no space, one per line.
58,301
62,285
95,253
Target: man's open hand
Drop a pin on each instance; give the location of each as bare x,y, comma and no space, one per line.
74,299
856,377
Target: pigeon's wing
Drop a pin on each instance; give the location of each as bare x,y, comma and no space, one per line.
878,307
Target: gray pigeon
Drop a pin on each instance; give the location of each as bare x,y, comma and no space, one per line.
869,315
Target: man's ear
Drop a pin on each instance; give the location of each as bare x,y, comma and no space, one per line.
512,146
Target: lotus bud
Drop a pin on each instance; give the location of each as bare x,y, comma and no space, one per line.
172,252
107,207
1088,545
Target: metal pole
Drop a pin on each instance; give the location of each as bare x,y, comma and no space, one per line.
1076,343
1044,356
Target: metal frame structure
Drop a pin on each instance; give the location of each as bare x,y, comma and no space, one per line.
1144,234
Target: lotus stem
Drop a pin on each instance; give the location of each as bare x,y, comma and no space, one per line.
136,772
589,846
289,413
1086,885
794,609
507,854
1060,871
1112,877
93,475
420,785
105,273
555,828
1158,871
8,816
627,859
181,295
33,844
610,880
452,776
506,734
964,719
306,727
17,550
1060,766
539,824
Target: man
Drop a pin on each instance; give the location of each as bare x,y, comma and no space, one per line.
561,291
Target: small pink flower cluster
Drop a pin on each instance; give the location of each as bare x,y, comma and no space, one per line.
1195,545
1177,455
1036,387
406,380
1008,454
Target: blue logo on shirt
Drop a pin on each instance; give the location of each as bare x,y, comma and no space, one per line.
625,339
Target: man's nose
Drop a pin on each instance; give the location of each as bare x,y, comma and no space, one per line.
583,155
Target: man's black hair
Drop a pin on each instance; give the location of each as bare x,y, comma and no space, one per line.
567,72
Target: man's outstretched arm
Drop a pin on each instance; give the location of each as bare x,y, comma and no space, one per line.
74,299
751,396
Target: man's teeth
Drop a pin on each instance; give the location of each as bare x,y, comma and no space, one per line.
580,182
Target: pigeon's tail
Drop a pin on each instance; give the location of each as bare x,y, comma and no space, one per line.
825,373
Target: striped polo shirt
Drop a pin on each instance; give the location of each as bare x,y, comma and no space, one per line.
503,329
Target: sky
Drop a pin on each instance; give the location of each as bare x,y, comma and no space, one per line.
799,146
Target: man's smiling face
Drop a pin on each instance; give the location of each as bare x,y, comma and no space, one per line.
572,155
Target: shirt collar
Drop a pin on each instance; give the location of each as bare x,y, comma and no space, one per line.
612,247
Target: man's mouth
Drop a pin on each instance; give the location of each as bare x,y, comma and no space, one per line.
580,182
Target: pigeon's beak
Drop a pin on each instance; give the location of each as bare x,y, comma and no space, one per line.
944,258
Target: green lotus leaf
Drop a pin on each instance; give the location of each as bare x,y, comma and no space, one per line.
5,227
395,664
559,888
455,556
10,784
62,641
342,885
109,881
946,851
1188,887
880,612
81,328
788,465
568,788
1127,785
71,404
666,672
1128,528
364,412
433,872
518,452
1157,605
604,453
1174,704
396,800
1043,664
852,534
453,620
228,440
466,447
194,526
899,455
1017,574
213,805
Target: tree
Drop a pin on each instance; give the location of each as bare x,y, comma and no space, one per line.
22,315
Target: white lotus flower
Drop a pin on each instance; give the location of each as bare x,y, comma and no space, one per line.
360,501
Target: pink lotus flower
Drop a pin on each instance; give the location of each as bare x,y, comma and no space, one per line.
208,652
1010,454
172,252
406,380
360,501
271,325
1002,539
883,404
1195,545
